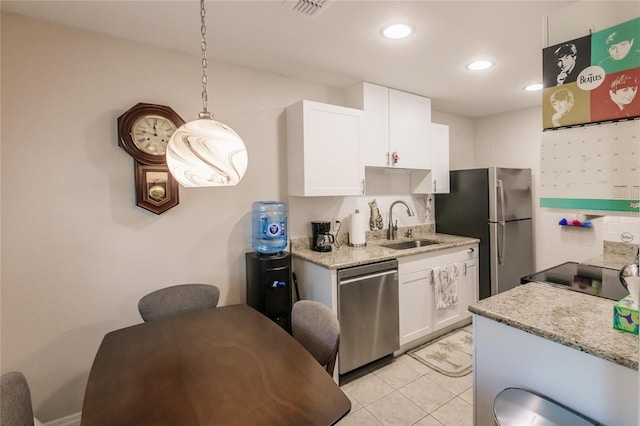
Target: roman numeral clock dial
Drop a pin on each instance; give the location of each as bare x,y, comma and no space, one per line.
151,134
144,132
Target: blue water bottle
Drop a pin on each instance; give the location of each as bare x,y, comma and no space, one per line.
269,226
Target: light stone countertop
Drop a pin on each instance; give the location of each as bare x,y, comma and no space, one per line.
615,255
346,256
573,319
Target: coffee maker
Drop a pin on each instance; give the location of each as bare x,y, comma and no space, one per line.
322,239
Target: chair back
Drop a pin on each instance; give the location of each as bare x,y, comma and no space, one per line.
178,299
316,327
15,400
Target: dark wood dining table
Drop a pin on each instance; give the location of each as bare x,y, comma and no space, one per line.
225,366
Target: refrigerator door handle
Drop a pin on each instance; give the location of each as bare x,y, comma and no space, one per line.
501,241
500,188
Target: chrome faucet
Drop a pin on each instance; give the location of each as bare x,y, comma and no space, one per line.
391,234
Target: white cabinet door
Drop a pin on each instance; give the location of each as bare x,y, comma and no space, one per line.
439,158
409,130
443,317
374,101
415,315
393,121
436,180
467,294
418,314
470,295
323,150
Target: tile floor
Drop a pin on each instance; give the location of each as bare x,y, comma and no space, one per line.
407,392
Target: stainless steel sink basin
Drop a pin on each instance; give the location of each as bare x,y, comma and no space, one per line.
404,245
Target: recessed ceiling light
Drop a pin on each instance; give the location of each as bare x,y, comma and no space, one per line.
533,87
397,31
480,65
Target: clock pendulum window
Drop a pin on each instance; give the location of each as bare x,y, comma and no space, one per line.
144,132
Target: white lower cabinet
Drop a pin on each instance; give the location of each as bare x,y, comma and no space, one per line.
413,296
419,316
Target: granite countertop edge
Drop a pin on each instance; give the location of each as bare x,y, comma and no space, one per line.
593,334
346,256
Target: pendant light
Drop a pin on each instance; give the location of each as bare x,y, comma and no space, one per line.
206,152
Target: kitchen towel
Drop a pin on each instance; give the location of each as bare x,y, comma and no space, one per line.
358,229
446,282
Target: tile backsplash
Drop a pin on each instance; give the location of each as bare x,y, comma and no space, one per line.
621,229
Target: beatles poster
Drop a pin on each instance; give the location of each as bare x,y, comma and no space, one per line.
593,78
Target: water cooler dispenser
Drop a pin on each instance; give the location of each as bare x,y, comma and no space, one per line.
269,276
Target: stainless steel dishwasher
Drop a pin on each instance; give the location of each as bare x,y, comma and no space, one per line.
368,313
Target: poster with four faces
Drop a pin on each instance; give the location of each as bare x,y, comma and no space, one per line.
592,79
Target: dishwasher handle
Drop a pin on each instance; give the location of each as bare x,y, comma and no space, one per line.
364,277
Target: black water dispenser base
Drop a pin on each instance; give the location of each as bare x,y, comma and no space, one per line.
269,288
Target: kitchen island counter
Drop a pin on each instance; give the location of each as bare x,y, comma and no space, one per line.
558,343
346,256
573,319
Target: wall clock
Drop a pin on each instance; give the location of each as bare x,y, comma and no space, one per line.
144,132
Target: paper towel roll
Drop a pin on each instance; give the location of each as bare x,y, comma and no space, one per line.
358,229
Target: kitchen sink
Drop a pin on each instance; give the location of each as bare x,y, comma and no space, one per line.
404,245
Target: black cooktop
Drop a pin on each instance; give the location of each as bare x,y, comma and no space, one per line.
589,279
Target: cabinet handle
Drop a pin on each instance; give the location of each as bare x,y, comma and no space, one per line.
364,188
465,269
470,250
435,185
395,157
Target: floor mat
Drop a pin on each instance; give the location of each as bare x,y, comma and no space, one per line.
450,355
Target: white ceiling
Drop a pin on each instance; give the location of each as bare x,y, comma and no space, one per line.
342,45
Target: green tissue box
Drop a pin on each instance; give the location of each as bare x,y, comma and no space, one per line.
625,316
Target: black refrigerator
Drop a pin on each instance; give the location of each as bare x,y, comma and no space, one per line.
494,205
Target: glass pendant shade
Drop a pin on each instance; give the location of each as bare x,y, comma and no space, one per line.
205,152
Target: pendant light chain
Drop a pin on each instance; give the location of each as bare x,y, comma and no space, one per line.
206,152
203,47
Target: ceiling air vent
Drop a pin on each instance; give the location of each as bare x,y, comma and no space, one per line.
308,8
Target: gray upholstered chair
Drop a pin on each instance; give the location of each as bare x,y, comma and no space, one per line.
178,299
316,327
15,400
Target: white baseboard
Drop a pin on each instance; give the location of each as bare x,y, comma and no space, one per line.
72,420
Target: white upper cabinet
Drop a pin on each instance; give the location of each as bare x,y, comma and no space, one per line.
323,150
374,101
436,180
439,158
409,130
393,122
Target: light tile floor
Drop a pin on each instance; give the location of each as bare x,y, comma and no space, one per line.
407,392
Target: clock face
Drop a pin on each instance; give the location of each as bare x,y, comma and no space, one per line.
151,134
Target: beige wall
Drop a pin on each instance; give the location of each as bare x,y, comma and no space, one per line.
77,254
